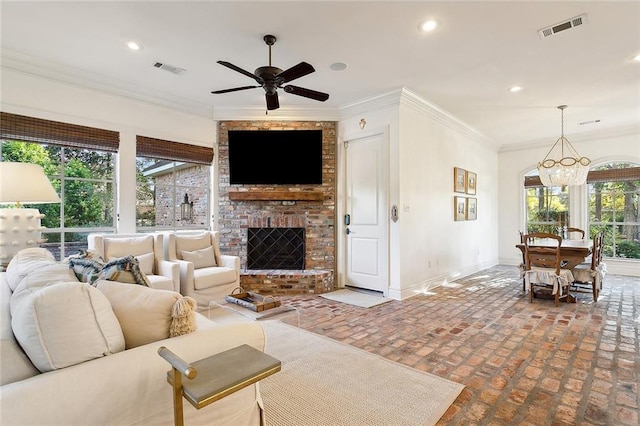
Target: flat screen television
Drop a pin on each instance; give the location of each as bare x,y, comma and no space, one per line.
275,157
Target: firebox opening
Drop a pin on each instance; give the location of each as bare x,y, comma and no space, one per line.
275,248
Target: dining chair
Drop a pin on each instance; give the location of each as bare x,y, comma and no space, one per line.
543,267
577,231
588,276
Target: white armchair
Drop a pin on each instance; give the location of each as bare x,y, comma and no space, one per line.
205,273
147,248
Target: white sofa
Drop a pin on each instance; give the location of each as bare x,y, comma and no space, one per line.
128,387
147,248
205,273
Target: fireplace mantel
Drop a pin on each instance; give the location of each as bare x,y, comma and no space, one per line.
276,195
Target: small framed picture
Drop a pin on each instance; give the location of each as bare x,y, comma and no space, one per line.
459,208
472,182
472,209
459,180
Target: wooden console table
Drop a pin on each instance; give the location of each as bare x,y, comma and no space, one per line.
215,377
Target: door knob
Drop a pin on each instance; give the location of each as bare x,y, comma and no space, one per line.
348,231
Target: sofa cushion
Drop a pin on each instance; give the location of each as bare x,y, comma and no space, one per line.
47,274
64,324
16,365
25,261
125,270
213,277
191,243
147,315
120,247
202,258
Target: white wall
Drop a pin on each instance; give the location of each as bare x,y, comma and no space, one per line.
34,96
427,247
514,164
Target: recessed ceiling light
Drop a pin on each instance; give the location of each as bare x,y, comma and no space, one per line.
515,89
429,25
133,45
338,66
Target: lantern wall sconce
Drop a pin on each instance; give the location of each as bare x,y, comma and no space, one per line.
186,209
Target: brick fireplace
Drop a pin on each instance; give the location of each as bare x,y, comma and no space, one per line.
310,208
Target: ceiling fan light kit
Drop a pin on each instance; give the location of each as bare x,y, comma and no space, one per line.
569,169
272,78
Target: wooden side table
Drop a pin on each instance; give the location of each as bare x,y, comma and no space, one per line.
215,377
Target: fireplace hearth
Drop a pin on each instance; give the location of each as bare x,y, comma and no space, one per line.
275,248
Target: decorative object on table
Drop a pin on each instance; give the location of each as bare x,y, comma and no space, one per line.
459,208
471,183
569,167
459,180
471,209
253,301
21,228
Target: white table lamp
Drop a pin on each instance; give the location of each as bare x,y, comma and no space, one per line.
20,228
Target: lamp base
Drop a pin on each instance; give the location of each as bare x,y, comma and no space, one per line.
19,229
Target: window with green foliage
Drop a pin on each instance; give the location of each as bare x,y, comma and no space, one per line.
547,209
83,178
613,210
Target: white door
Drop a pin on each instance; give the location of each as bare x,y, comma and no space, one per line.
366,214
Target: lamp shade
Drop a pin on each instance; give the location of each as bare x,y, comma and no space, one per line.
25,183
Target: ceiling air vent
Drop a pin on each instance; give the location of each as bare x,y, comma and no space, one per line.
562,26
170,68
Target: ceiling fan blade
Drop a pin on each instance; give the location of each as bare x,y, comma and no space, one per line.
272,101
294,72
235,89
307,93
241,71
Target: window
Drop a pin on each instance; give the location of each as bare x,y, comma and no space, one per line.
613,210
79,161
547,208
164,186
173,185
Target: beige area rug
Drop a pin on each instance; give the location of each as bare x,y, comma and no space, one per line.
325,382
356,298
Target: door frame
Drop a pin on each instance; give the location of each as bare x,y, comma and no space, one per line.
341,201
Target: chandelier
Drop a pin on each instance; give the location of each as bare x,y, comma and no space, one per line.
569,169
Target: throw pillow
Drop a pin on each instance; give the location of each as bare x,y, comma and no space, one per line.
202,258
192,242
125,270
146,262
147,315
64,324
123,246
86,265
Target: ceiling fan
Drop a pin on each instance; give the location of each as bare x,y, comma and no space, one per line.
271,78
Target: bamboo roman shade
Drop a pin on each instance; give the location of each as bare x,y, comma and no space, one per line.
609,175
173,151
31,129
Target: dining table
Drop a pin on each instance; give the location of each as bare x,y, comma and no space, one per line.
573,252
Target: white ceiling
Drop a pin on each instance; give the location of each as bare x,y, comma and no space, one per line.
465,67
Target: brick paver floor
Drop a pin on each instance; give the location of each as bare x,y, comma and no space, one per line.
521,363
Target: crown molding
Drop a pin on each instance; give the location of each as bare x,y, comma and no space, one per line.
599,135
282,114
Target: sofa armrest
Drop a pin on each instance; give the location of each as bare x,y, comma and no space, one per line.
185,277
127,387
170,270
230,261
